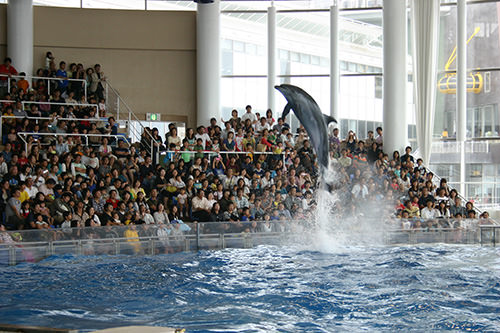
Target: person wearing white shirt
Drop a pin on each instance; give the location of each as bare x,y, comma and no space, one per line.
161,216
249,115
262,125
203,136
241,201
228,181
360,190
3,166
201,207
429,212
30,188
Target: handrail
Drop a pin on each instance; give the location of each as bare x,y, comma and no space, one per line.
46,118
131,115
438,178
55,118
60,103
27,134
32,77
220,152
13,101
118,229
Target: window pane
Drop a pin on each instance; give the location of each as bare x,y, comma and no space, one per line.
238,92
171,5
114,4
247,34
55,3
306,36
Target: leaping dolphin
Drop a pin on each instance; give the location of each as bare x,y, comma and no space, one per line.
328,119
310,116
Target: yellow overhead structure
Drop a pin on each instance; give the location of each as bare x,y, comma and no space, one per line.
448,83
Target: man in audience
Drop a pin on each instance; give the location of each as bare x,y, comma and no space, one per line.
201,207
62,75
248,115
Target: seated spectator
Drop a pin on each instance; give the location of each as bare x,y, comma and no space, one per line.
429,212
201,207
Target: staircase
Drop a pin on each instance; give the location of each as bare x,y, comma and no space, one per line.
128,122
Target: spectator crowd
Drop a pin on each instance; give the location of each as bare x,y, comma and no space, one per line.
250,167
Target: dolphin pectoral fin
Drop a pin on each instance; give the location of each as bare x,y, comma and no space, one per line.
286,111
328,119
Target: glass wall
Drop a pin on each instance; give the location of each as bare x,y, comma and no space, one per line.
483,62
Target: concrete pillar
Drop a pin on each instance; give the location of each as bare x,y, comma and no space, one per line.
334,61
20,34
208,62
395,75
462,86
271,57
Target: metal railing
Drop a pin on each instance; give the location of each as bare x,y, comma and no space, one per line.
214,154
489,234
447,147
116,106
111,94
437,180
34,245
50,119
49,79
24,137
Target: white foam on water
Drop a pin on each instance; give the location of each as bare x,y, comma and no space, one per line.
330,232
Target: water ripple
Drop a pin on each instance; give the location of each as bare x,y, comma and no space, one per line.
267,288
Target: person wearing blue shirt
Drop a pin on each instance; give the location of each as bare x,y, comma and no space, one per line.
63,76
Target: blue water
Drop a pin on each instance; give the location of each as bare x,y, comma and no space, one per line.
262,289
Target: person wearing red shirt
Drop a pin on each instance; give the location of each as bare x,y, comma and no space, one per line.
6,69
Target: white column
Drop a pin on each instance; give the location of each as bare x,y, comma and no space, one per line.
208,62
271,57
395,75
20,34
334,61
461,70
462,86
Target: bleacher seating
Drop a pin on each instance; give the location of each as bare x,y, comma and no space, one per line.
65,165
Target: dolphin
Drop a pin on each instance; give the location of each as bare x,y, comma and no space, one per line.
328,119
310,116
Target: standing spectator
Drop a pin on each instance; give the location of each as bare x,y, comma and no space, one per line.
7,69
62,75
407,157
100,78
23,83
249,115
205,138
49,58
379,139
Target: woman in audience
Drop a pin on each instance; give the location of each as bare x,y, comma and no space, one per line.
229,144
174,139
160,215
443,210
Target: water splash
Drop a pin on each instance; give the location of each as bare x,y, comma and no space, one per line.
335,228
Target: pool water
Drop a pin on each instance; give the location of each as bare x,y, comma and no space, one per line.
266,288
